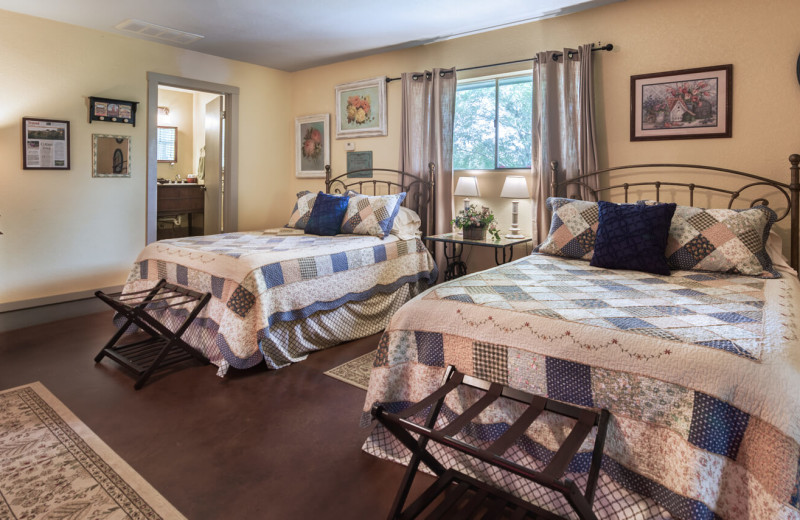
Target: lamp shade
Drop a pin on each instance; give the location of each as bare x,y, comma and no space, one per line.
467,187
515,187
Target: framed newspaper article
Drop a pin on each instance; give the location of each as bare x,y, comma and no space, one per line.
45,144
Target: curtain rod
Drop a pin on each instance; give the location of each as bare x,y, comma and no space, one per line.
606,47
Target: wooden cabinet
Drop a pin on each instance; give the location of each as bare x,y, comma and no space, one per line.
185,200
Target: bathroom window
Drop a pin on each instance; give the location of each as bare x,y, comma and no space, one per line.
167,144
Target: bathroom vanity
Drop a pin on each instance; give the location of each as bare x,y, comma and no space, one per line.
182,205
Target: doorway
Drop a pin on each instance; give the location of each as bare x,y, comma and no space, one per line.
211,161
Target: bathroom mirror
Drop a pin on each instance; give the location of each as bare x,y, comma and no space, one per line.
167,144
111,155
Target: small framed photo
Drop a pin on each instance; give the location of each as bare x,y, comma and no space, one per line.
361,108
111,155
682,104
45,144
112,110
312,144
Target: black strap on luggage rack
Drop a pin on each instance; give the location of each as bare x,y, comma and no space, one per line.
158,351
465,496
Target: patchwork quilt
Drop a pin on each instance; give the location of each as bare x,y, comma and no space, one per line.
700,372
259,282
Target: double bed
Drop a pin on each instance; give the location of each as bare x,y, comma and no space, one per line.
277,295
699,368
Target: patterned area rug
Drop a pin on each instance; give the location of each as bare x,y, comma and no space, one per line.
53,466
355,372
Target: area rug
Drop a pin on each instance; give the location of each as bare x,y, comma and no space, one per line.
355,372
53,466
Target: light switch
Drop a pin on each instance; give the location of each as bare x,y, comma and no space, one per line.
350,146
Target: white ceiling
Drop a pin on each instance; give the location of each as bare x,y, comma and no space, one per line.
293,35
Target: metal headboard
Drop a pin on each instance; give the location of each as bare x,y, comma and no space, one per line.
790,192
419,192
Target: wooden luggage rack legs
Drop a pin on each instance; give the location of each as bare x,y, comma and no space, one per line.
465,496
164,347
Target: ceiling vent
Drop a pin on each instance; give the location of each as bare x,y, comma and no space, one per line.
158,32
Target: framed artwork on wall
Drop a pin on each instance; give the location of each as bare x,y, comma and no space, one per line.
361,108
111,155
682,104
359,164
45,144
312,144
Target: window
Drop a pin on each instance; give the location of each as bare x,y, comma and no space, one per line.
493,123
167,144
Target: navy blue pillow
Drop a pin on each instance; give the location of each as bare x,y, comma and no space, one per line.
327,214
633,237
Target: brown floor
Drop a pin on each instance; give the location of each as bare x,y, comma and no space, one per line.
262,444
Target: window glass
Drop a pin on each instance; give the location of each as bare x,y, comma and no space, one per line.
167,144
492,128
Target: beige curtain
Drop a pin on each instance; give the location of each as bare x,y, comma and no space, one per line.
563,127
429,101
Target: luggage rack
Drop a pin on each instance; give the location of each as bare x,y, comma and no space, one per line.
164,347
466,497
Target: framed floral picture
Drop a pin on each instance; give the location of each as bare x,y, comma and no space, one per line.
361,108
682,104
312,141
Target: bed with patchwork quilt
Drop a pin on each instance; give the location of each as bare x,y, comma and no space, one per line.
685,329
277,298
699,370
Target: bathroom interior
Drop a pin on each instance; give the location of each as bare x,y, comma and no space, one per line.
190,168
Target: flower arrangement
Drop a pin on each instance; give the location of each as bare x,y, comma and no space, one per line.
312,143
358,109
474,218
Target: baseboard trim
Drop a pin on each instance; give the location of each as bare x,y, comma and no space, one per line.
27,313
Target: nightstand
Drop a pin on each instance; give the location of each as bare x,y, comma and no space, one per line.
454,244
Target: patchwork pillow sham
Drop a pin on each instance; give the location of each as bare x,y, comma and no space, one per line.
327,214
721,240
573,228
371,215
632,237
302,210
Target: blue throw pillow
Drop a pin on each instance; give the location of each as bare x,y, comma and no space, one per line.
327,214
633,237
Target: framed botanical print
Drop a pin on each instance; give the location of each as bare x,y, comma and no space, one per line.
312,144
682,104
361,108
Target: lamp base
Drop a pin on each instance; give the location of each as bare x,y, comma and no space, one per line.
515,236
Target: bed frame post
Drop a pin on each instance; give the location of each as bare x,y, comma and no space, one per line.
553,179
327,178
794,189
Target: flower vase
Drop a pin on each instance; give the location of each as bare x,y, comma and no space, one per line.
475,233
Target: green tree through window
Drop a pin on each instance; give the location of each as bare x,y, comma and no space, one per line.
493,124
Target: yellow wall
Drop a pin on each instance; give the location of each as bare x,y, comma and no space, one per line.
64,231
760,39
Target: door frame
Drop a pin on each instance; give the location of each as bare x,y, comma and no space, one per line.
230,212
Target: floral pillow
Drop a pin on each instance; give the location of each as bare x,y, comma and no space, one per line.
721,240
371,215
573,228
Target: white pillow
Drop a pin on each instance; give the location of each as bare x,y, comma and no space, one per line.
406,224
774,249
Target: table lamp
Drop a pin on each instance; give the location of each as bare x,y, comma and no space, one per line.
515,187
467,187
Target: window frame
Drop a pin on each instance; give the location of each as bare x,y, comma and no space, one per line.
496,78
